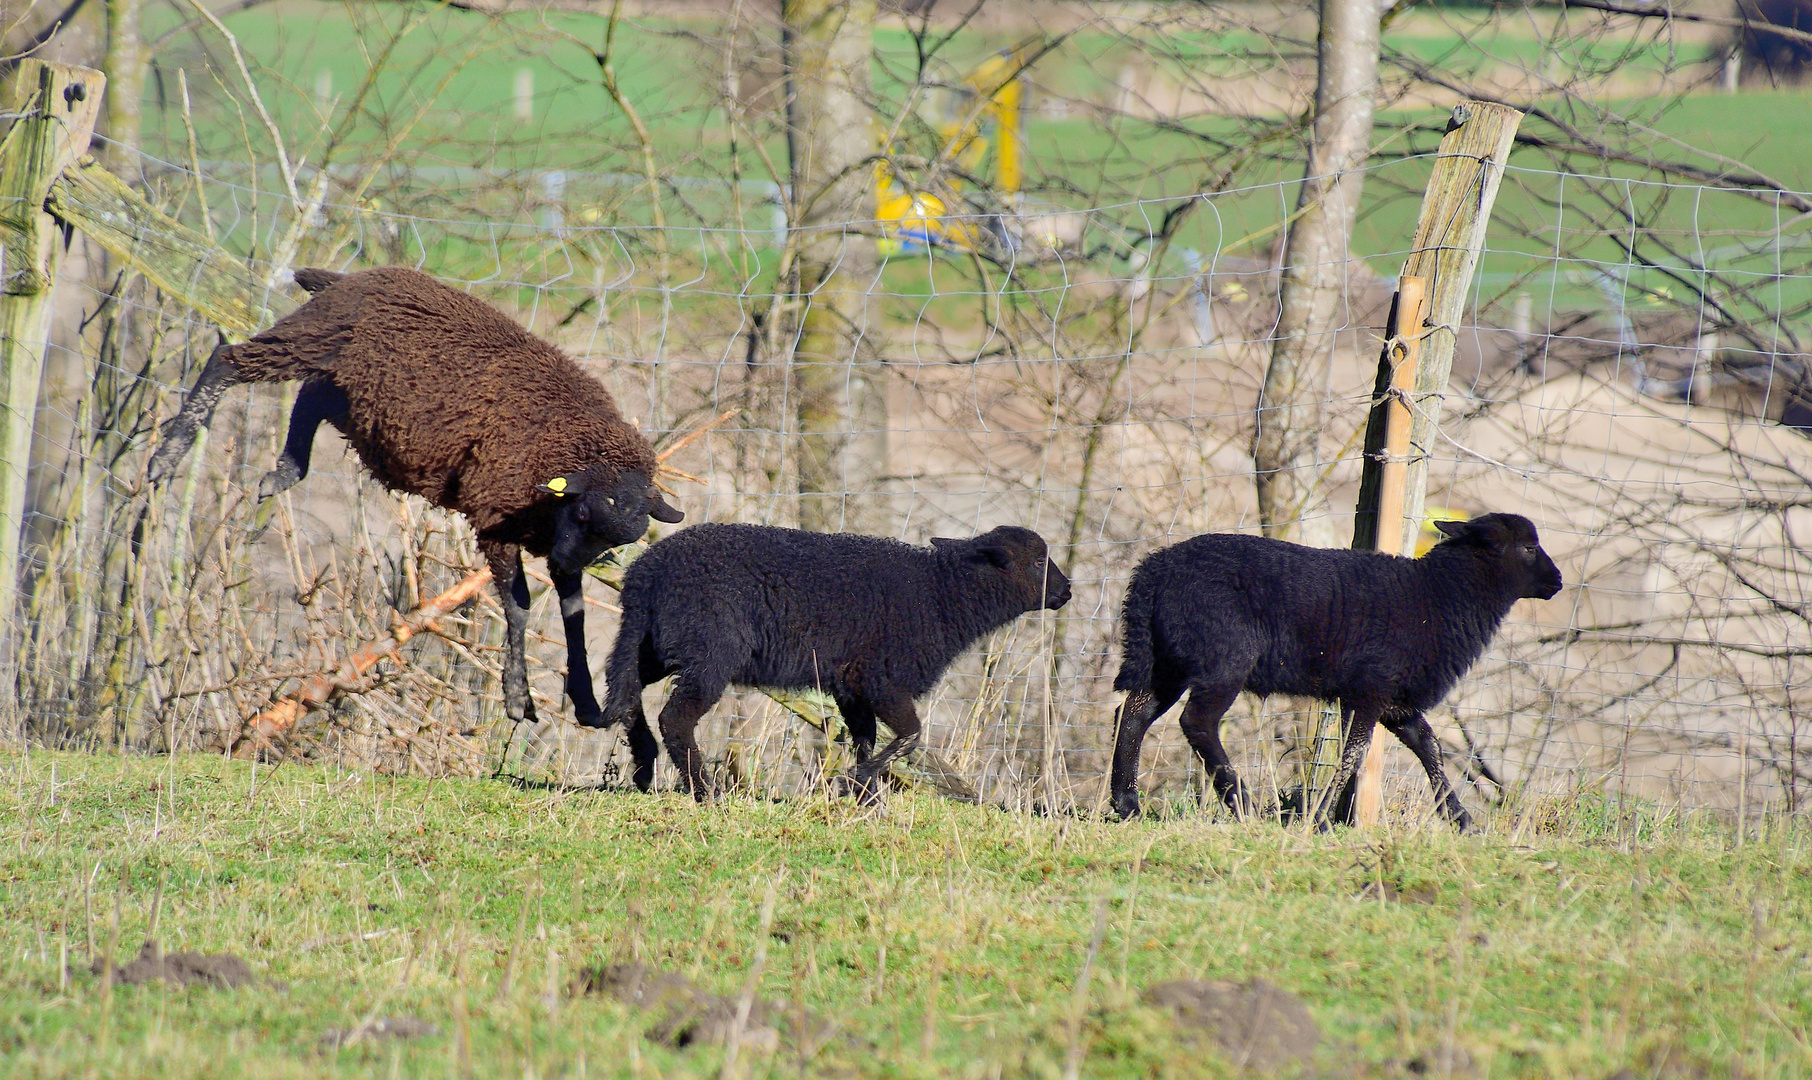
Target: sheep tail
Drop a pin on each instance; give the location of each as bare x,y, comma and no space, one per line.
623,672
1135,638
314,279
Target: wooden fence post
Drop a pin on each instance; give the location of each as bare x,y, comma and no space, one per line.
1450,236
54,108
1378,525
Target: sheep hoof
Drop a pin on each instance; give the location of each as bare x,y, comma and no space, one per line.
1127,808
279,479
866,788
591,719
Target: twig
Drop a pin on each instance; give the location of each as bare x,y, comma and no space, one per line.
318,689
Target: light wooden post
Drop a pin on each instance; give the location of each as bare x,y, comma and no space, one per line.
55,106
1450,236
1378,526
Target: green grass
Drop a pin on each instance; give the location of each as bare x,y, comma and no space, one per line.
1565,955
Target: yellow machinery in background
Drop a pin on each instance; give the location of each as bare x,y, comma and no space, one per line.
1428,536
986,116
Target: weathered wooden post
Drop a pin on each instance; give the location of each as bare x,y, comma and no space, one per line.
1378,525
54,106
1450,236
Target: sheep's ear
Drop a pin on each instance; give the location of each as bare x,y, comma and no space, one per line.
1453,528
570,484
993,555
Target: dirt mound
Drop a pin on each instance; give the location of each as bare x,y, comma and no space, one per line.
1668,1060
1258,1026
385,1027
684,1014
183,968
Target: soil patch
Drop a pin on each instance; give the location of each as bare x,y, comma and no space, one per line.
1415,894
1667,1060
1257,1025
385,1027
1448,1062
682,1013
183,969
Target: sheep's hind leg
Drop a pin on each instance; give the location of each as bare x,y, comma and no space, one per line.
903,720
217,377
859,718
1131,723
642,749
1362,720
679,722
1414,732
319,401
571,590
1202,727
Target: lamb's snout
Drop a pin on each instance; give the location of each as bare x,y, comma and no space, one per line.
1056,587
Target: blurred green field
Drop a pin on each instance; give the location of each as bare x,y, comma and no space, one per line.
443,93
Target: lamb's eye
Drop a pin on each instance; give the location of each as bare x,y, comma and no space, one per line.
610,501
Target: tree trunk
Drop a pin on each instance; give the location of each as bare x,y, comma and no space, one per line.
1285,447
837,382
125,68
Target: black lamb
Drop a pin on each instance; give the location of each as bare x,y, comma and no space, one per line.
872,622
1385,636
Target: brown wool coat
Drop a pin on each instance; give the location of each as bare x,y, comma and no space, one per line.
449,398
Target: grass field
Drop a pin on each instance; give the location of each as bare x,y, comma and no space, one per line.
941,939
440,92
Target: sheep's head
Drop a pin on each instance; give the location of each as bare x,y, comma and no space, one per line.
1511,541
1021,557
600,509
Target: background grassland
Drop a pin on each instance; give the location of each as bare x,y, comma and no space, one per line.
1568,941
429,93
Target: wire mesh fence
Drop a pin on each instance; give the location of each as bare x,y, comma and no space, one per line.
1632,375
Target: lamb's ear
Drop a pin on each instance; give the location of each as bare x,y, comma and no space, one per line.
570,484
993,555
1453,528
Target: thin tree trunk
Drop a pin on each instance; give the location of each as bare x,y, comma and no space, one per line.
837,383
1285,447
125,86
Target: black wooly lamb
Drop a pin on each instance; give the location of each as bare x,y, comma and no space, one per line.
872,622
1385,636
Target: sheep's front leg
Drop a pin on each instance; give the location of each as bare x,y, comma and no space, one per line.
318,402
1415,733
903,720
571,589
1202,727
1362,720
217,377
512,589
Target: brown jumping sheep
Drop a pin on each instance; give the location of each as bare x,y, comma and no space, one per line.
445,397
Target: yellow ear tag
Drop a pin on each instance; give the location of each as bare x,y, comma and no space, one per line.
557,485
